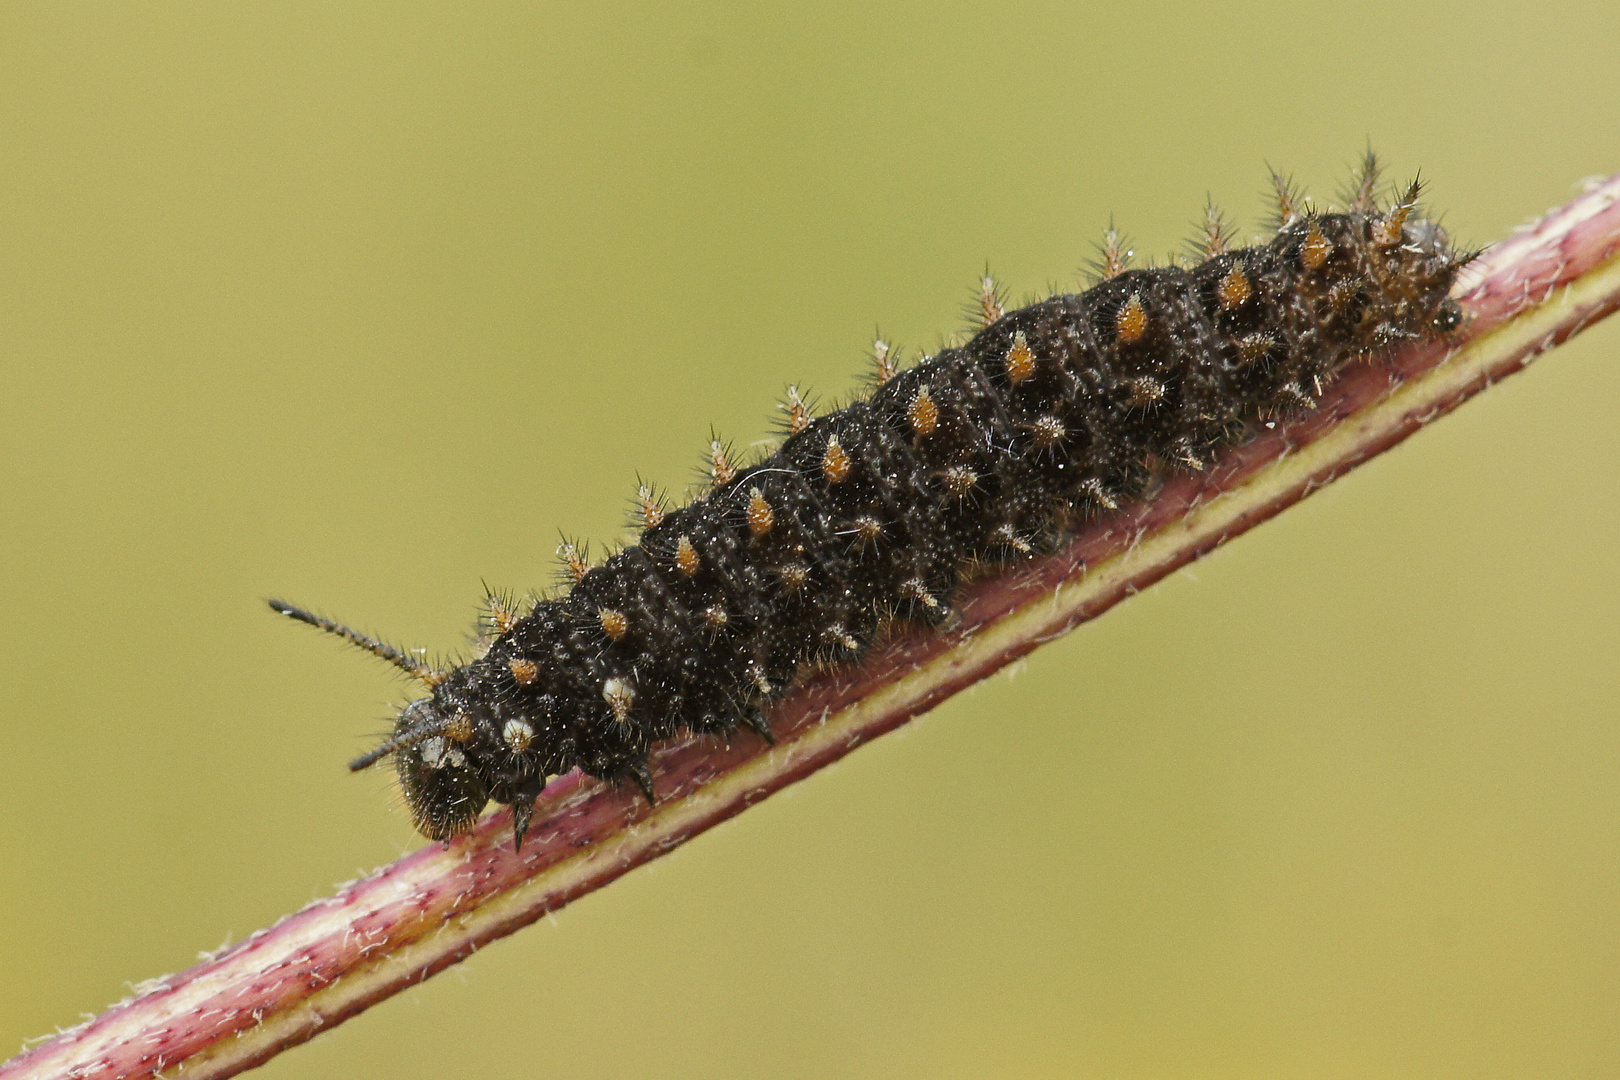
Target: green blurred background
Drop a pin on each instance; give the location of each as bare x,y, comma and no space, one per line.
360,304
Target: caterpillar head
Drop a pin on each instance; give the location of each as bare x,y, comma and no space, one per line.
445,747
460,748
442,787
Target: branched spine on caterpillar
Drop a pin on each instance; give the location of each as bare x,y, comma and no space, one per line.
982,455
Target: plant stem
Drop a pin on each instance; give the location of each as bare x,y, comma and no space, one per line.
377,936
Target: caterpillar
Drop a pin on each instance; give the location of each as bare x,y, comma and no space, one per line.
979,457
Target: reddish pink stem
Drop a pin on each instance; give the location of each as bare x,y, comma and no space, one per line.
436,906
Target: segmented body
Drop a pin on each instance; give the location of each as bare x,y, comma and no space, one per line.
984,454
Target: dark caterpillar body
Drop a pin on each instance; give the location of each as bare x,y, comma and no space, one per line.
981,455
